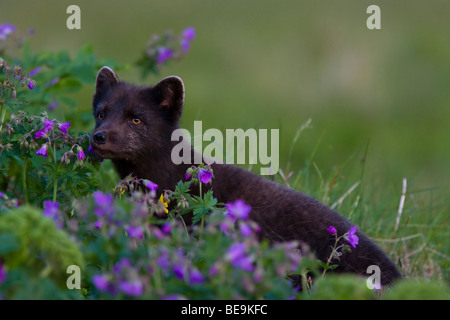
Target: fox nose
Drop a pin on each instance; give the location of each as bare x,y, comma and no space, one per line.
99,137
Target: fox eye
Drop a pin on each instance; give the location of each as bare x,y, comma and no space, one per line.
101,116
136,121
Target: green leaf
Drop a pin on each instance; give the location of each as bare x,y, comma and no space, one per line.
9,242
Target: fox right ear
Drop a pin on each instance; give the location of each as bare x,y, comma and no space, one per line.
105,79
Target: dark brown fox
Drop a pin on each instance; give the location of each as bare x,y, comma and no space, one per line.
134,127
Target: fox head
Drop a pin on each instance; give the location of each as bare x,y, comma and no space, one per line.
132,122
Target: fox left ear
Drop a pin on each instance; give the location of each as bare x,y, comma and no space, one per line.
169,93
105,79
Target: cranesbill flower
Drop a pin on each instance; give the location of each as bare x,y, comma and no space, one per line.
195,276
245,228
351,237
331,230
64,127
98,224
136,232
238,258
151,185
40,134
48,125
237,210
163,55
81,154
189,33
5,30
51,211
131,288
42,151
35,71
185,45
2,273
104,203
204,175
52,82
178,271
101,282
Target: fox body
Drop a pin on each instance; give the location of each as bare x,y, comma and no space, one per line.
134,127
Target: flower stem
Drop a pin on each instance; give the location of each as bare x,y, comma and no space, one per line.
3,113
55,189
24,179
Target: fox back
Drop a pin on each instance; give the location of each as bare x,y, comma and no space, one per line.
133,128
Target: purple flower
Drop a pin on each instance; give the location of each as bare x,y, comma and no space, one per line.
187,176
52,82
2,273
48,125
42,151
204,175
81,154
5,30
51,211
30,85
98,224
238,258
101,282
178,271
35,71
40,134
122,264
189,33
166,228
53,105
64,127
104,203
331,230
163,261
245,228
131,288
351,237
2,195
135,232
195,276
163,55
151,185
185,45
237,210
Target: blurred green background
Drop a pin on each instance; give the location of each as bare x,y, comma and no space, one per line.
275,64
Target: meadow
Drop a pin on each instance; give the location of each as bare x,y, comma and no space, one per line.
363,119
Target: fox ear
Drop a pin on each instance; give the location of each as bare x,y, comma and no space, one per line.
169,93
105,79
